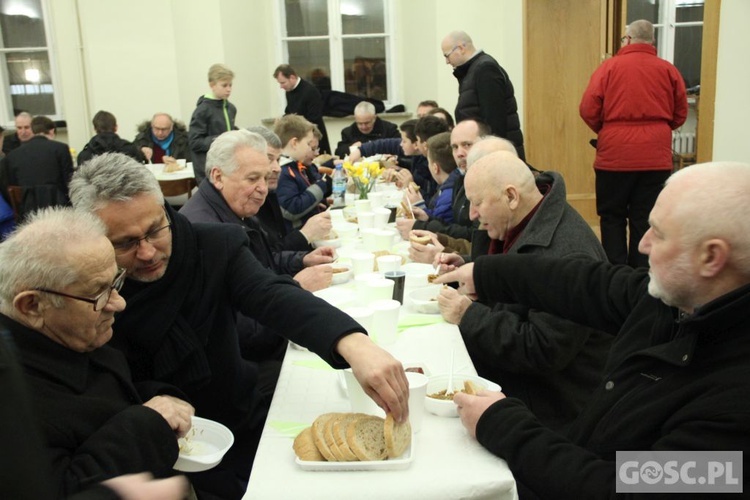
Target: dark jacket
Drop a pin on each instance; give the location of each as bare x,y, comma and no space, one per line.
300,192
351,134
211,118
92,423
305,100
108,142
279,237
43,167
181,329
486,92
550,363
462,226
11,142
670,383
439,205
180,147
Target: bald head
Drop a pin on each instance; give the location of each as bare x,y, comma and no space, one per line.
488,145
640,31
457,48
502,191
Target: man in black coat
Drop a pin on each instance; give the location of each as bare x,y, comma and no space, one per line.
304,99
59,294
42,166
21,136
366,127
161,137
106,140
485,91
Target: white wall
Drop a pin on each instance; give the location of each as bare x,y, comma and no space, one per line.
137,57
732,110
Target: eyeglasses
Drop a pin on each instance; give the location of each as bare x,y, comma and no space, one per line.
625,39
157,234
448,54
101,300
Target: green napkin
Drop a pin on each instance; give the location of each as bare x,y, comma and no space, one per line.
414,320
290,429
316,364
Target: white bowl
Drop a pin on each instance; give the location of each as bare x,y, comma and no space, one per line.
343,276
424,300
417,273
446,407
208,442
335,243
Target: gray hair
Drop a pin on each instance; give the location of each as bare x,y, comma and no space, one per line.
489,144
458,37
111,177
271,138
35,255
641,31
221,154
713,204
364,108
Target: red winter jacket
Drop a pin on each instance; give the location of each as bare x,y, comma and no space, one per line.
634,101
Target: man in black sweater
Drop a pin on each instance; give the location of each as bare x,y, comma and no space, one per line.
366,127
304,99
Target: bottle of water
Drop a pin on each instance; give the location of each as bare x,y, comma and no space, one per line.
339,186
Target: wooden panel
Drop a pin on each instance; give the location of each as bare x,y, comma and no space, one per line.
565,41
709,53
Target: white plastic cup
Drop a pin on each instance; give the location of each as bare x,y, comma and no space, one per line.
385,321
383,240
362,263
388,263
381,217
377,289
377,200
362,315
350,198
369,239
417,393
365,220
358,398
362,206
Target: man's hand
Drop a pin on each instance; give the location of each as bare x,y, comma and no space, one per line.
471,408
413,195
464,275
321,255
381,375
317,227
447,262
419,214
404,227
452,305
404,178
425,254
354,154
315,278
176,412
148,153
143,486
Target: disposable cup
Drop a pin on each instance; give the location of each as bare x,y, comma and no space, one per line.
417,394
388,263
385,321
362,263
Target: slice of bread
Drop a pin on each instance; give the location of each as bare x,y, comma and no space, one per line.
329,438
366,439
318,432
471,388
304,447
339,434
397,436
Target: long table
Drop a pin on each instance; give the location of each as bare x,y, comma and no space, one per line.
447,462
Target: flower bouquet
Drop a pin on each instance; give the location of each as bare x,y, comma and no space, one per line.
363,175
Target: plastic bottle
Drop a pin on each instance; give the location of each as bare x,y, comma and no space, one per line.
339,186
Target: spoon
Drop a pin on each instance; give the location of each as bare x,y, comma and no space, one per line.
449,389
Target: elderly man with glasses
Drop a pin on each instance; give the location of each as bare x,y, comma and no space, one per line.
59,294
163,137
366,127
186,286
485,91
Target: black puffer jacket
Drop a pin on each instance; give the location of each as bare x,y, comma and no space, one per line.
108,142
486,92
180,144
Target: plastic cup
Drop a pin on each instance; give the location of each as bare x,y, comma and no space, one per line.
362,263
388,263
365,220
376,289
362,206
385,321
362,315
383,239
381,217
417,394
359,400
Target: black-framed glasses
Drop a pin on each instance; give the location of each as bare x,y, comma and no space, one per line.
625,39
157,234
448,54
101,300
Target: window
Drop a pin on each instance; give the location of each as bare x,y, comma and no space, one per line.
679,32
340,45
26,66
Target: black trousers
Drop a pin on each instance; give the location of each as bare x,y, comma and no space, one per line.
624,200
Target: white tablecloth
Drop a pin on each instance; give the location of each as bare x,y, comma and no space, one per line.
447,464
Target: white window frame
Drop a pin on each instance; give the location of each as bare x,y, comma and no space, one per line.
6,102
667,26
335,39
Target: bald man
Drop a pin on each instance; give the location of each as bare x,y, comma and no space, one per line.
22,135
485,91
678,374
550,363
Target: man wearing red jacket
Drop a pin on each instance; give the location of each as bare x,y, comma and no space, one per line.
633,102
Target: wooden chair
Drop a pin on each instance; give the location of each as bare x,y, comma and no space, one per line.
15,193
177,187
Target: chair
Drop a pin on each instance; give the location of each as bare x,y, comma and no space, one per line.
15,193
177,187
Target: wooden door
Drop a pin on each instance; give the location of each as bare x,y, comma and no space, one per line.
565,41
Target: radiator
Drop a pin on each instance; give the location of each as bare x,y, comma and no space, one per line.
683,142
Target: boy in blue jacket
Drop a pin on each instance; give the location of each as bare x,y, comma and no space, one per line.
444,171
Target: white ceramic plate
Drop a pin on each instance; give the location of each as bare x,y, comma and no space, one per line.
208,442
396,464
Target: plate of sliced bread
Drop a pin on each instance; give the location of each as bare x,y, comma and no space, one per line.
354,441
